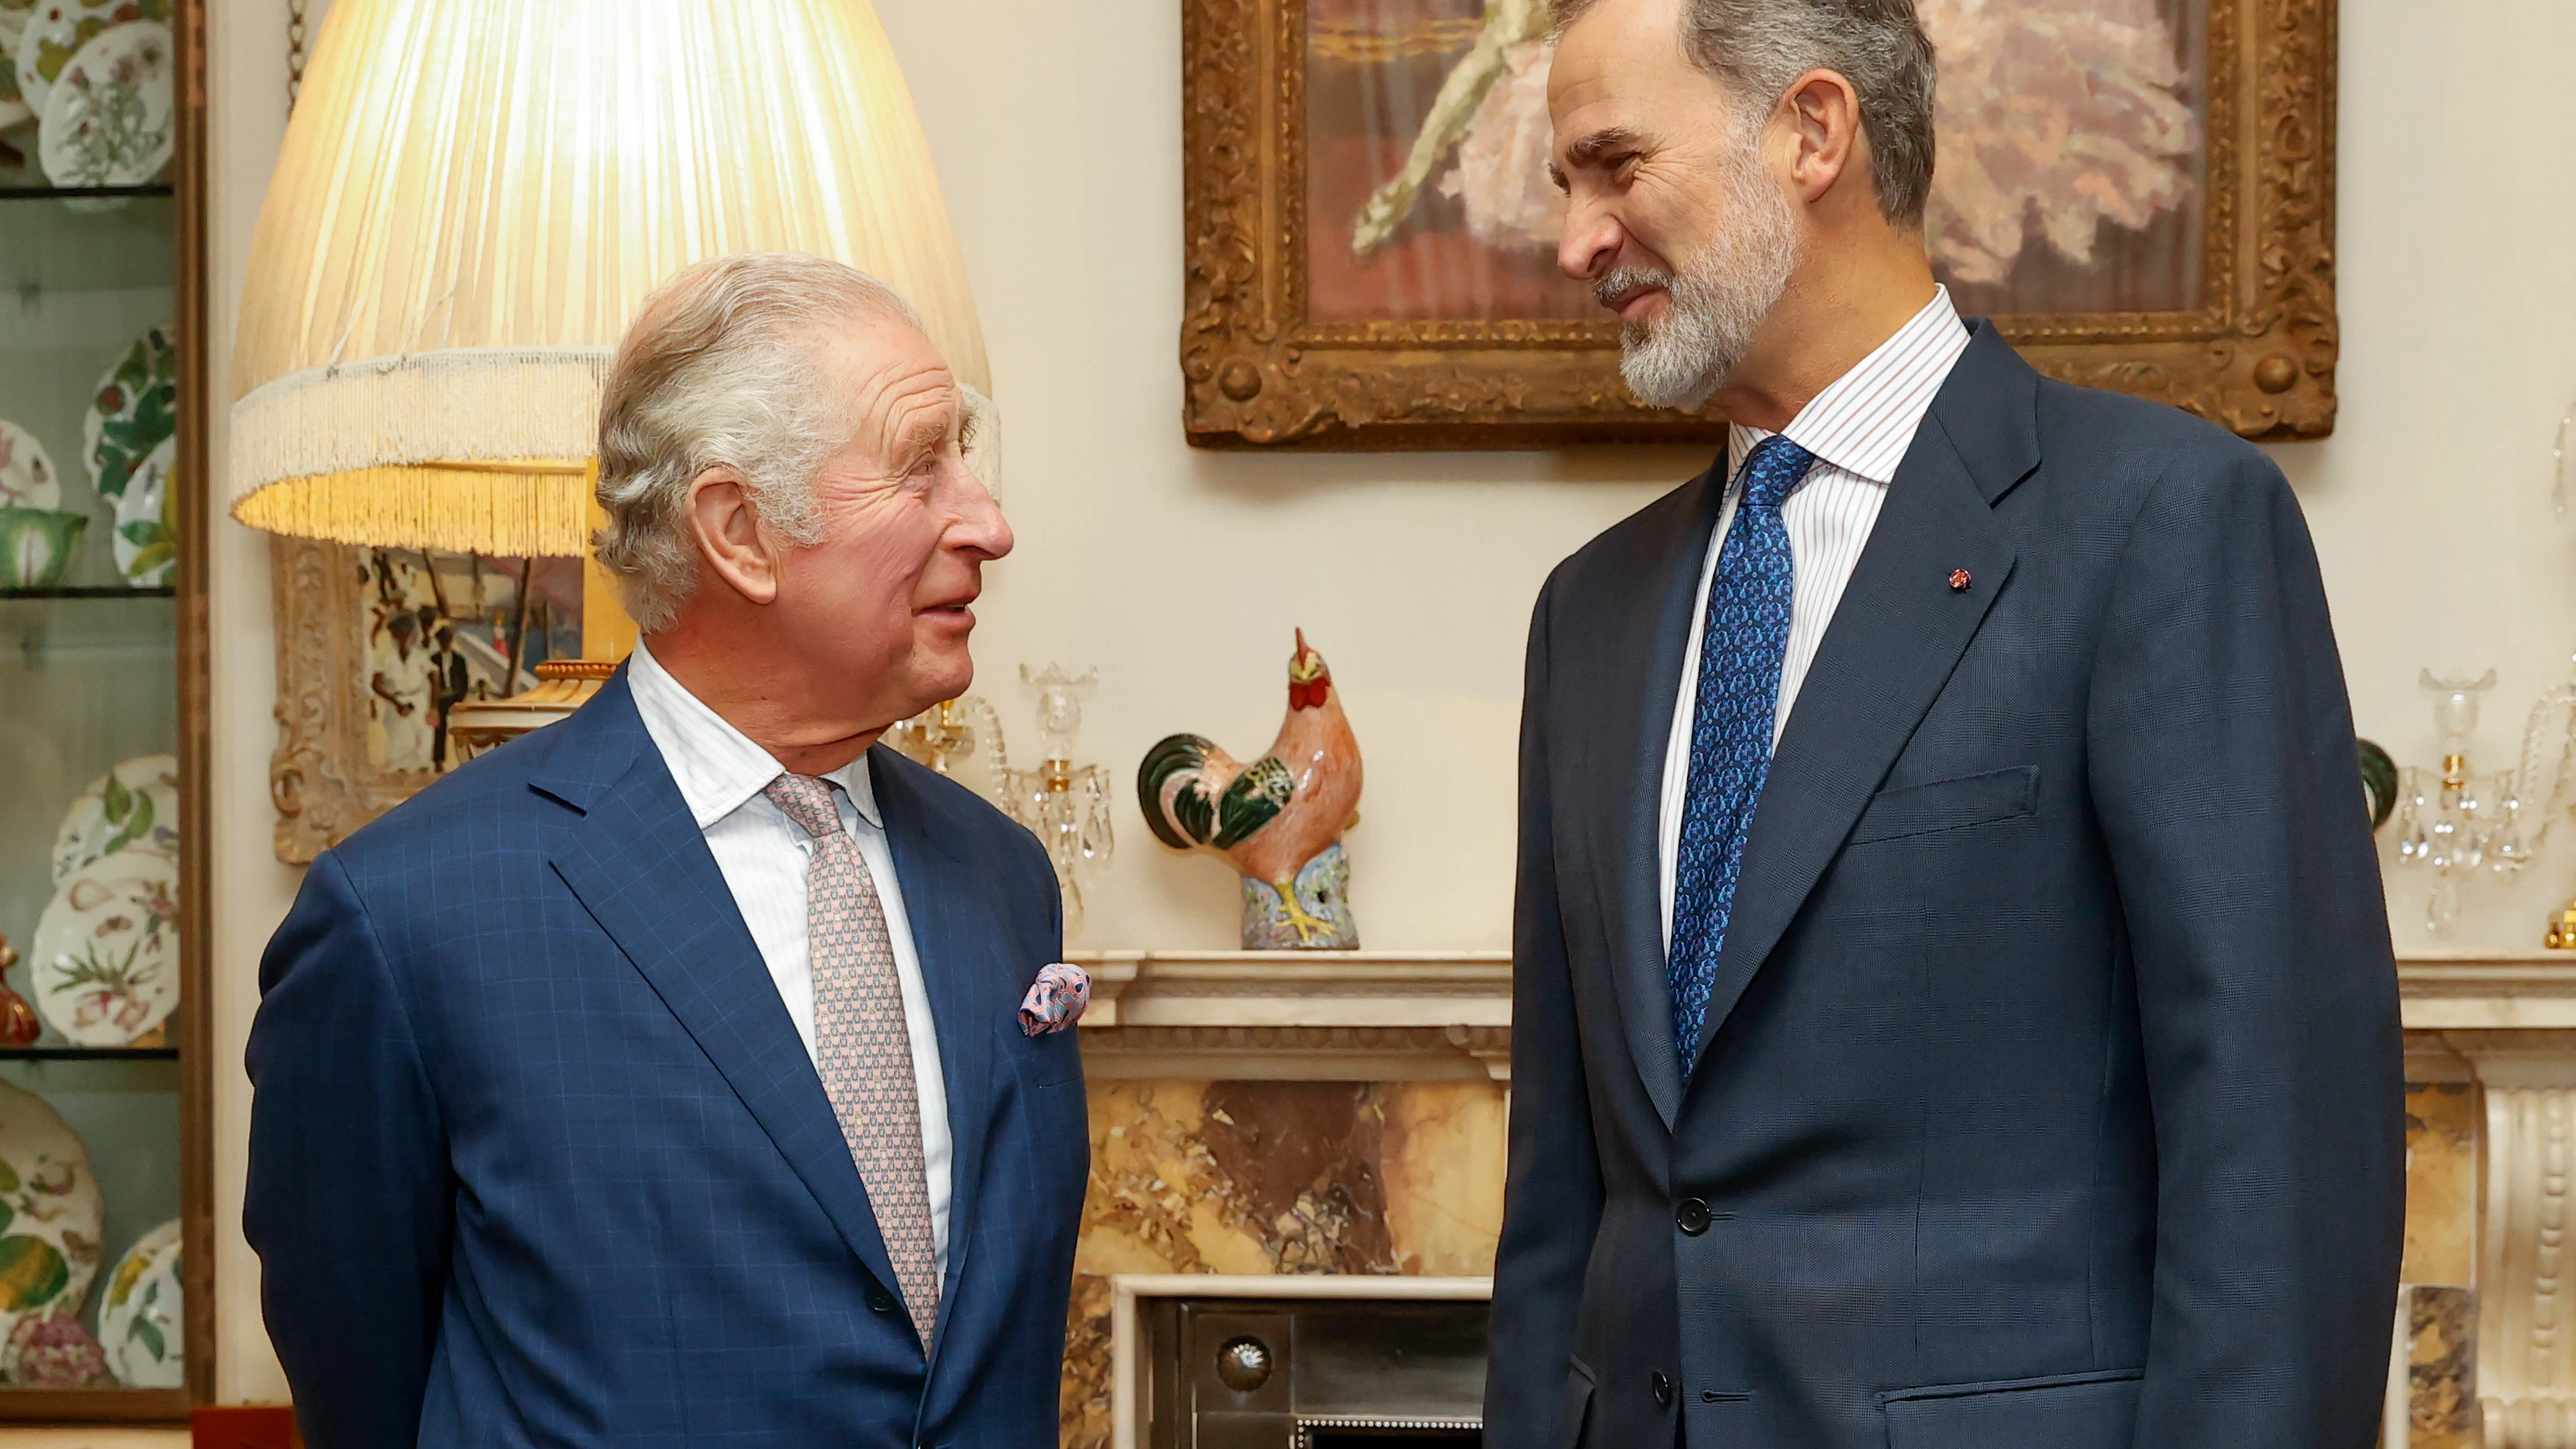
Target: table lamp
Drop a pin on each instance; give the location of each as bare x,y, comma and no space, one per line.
473,201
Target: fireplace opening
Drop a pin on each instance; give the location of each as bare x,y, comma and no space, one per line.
1246,1373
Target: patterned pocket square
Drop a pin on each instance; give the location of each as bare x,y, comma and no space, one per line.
1055,1000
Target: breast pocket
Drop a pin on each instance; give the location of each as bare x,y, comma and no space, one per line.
1913,810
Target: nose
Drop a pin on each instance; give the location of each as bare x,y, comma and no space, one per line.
980,528
1590,245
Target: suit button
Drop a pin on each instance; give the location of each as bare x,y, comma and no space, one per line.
1693,1217
879,1300
1663,1391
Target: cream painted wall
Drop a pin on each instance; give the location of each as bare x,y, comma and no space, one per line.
1180,573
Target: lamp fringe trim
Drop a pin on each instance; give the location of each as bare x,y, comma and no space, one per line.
349,452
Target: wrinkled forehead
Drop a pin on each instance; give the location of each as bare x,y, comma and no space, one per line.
889,377
1622,63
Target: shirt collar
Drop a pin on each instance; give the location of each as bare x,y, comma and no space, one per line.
717,767
1864,422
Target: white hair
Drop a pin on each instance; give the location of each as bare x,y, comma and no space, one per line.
723,368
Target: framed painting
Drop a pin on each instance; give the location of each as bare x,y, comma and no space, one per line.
373,647
2138,192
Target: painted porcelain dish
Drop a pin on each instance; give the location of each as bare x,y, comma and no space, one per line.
106,951
51,1215
53,1351
37,545
147,542
55,31
139,1319
108,120
27,475
132,807
134,410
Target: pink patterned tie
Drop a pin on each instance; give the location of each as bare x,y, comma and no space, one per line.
860,1043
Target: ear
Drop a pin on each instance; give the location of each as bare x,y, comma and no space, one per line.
729,536
1824,111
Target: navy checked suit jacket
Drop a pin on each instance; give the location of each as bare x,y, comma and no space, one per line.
537,1158
2050,1094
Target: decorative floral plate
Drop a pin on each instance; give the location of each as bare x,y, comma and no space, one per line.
27,476
139,1320
53,1351
147,537
55,30
108,119
50,1212
132,807
135,408
106,953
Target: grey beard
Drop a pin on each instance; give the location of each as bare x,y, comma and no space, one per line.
1717,301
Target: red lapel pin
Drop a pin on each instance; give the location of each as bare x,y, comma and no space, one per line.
1958,581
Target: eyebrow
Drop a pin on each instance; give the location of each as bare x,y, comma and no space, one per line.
1591,149
924,434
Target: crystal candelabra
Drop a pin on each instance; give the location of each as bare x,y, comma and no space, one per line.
946,733
1064,804
2449,820
2457,822
2549,744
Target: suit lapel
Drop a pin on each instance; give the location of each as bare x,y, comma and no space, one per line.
954,931
1895,638
1643,685
639,864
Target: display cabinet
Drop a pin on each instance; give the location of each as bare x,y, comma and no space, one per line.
105,1223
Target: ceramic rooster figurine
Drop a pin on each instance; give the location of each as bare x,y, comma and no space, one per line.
1278,820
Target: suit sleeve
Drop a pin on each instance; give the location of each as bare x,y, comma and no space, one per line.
349,1197
2223,770
1552,1198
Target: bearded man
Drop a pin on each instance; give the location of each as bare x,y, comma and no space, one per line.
1954,1005
662,1078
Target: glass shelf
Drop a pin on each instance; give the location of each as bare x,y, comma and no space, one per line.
86,591
81,193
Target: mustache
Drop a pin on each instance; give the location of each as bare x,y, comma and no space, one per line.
1609,290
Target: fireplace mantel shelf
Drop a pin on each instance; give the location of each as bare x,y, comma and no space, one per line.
1310,1015
2458,990
1401,1015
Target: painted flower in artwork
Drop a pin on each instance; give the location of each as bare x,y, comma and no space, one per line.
2059,113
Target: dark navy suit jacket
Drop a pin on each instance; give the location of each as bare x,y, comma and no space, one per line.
537,1158
2052,1089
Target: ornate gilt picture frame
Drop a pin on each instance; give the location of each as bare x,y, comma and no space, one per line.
372,645
1367,264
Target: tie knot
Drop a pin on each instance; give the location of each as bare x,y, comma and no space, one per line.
1774,471
808,801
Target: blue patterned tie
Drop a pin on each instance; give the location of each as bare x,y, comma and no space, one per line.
1741,646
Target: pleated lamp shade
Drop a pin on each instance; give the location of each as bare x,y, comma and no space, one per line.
476,196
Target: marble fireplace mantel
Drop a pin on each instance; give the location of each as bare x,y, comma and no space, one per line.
2487,990
1381,1016
2491,1100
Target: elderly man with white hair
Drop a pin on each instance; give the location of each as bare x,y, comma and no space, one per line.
664,1077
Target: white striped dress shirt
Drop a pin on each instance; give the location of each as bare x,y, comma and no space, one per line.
764,856
1859,429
